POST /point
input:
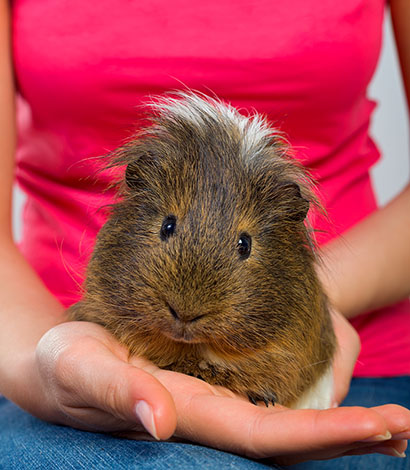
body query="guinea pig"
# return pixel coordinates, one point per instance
(206, 265)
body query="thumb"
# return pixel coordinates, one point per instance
(128, 393)
(348, 348)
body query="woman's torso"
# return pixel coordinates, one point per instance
(86, 67)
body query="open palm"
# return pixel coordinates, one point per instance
(92, 384)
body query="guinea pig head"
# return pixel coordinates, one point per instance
(208, 244)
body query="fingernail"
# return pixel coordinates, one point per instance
(378, 437)
(389, 451)
(146, 416)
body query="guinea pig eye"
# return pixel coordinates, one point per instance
(168, 227)
(244, 245)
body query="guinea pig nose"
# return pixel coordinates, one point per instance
(184, 318)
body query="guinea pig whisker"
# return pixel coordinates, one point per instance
(314, 364)
(117, 307)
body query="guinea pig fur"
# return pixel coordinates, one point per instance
(206, 264)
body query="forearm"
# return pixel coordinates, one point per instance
(7, 119)
(368, 267)
(27, 311)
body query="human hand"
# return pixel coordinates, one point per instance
(85, 380)
(348, 348)
(80, 377)
(216, 417)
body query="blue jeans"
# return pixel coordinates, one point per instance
(28, 443)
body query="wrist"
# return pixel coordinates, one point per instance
(14, 372)
(339, 278)
(21, 383)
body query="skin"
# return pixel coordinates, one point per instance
(77, 374)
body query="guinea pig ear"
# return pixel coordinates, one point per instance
(297, 206)
(131, 175)
(134, 173)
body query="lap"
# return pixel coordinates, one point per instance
(29, 443)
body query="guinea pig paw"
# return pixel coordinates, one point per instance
(255, 397)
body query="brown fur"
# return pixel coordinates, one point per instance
(259, 326)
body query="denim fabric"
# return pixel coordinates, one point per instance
(28, 443)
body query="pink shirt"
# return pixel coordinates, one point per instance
(85, 68)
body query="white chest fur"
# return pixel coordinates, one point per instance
(320, 395)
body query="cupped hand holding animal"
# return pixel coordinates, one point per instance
(347, 351)
(82, 377)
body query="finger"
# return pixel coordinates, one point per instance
(391, 448)
(239, 427)
(397, 420)
(101, 383)
(347, 351)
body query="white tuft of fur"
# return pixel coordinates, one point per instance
(197, 108)
(318, 397)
